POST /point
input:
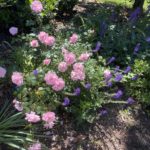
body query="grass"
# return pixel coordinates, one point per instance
(127, 3)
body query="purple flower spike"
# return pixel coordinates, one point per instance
(35, 72)
(118, 77)
(112, 59)
(128, 69)
(66, 101)
(135, 77)
(109, 84)
(137, 47)
(148, 39)
(117, 69)
(130, 101)
(134, 15)
(97, 48)
(103, 28)
(103, 112)
(77, 91)
(118, 95)
(88, 86)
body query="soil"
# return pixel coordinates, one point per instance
(120, 129)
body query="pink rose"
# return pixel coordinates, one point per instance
(49, 117)
(13, 30)
(17, 78)
(49, 125)
(59, 85)
(107, 74)
(78, 67)
(42, 36)
(62, 67)
(50, 41)
(69, 58)
(73, 39)
(36, 146)
(32, 117)
(18, 105)
(36, 6)
(2, 72)
(34, 43)
(77, 75)
(50, 78)
(84, 57)
(47, 61)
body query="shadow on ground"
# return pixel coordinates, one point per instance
(118, 130)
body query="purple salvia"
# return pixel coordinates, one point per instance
(137, 47)
(109, 84)
(117, 69)
(128, 69)
(66, 101)
(35, 72)
(77, 91)
(134, 15)
(118, 77)
(130, 101)
(112, 59)
(103, 112)
(148, 39)
(118, 95)
(135, 77)
(88, 86)
(98, 46)
(103, 28)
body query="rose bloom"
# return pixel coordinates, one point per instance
(59, 85)
(18, 105)
(46, 61)
(84, 57)
(107, 74)
(13, 30)
(34, 43)
(78, 67)
(49, 117)
(62, 67)
(2, 72)
(69, 58)
(51, 78)
(49, 41)
(77, 75)
(42, 36)
(36, 6)
(49, 125)
(73, 39)
(17, 78)
(36, 146)
(32, 117)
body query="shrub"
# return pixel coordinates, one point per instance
(74, 80)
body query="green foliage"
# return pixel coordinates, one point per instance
(10, 122)
(140, 88)
(16, 9)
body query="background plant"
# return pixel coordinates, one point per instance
(10, 122)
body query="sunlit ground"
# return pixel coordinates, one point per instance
(128, 3)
